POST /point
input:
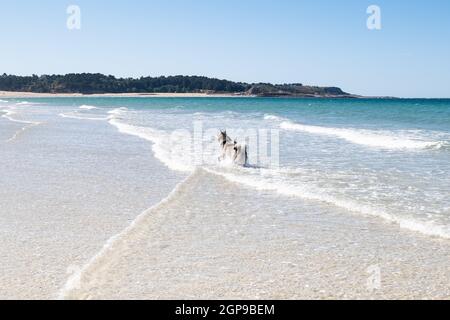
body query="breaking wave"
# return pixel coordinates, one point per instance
(166, 147)
(370, 138)
(305, 191)
(87, 107)
(171, 153)
(81, 117)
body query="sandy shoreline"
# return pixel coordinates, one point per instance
(11, 94)
(71, 196)
(184, 249)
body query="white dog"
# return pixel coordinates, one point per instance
(232, 151)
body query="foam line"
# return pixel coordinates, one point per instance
(369, 138)
(72, 116)
(76, 279)
(29, 124)
(364, 137)
(87, 107)
(304, 192)
(163, 153)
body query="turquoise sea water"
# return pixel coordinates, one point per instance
(388, 158)
(333, 187)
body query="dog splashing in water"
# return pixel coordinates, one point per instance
(231, 151)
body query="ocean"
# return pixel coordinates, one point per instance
(93, 184)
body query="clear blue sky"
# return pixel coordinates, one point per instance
(316, 42)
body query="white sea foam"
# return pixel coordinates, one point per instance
(307, 192)
(273, 117)
(10, 113)
(169, 153)
(163, 149)
(81, 117)
(382, 140)
(87, 107)
(165, 146)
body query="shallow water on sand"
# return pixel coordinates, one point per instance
(66, 189)
(360, 184)
(260, 246)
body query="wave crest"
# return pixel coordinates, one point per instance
(87, 107)
(308, 193)
(165, 147)
(366, 137)
(176, 158)
(271, 117)
(78, 117)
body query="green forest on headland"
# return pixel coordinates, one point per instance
(96, 83)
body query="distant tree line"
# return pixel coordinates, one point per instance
(92, 83)
(89, 83)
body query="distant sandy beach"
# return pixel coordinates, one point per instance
(14, 94)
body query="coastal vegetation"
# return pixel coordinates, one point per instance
(96, 83)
